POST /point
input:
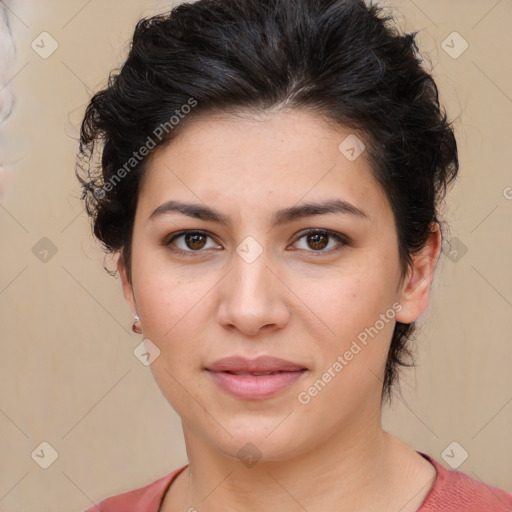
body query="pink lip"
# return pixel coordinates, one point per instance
(260, 364)
(254, 387)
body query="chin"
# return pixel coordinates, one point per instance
(262, 440)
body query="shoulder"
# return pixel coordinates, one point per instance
(454, 491)
(142, 499)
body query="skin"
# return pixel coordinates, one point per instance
(299, 301)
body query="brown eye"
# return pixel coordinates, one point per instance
(189, 242)
(195, 240)
(317, 240)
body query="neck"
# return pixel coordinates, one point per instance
(363, 463)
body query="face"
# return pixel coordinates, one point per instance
(250, 272)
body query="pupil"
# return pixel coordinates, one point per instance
(316, 244)
(316, 240)
(194, 238)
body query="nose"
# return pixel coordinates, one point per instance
(253, 298)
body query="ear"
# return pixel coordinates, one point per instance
(415, 290)
(127, 285)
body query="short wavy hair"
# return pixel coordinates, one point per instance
(342, 59)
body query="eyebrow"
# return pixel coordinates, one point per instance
(284, 216)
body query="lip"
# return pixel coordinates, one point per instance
(260, 364)
(253, 387)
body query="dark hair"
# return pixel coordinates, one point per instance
(341, 59)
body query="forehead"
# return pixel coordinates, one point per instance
(278, 158)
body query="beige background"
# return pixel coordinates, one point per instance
(68, 374)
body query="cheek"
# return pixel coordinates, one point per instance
(348, 300)
(170, 298)
(358, 309)
(174, 311)
(177, 310)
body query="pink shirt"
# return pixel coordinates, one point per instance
(452, 491)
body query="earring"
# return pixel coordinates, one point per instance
(136, 325)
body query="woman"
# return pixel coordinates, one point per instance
(271, 173)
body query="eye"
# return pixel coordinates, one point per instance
(191, 242)
(319, 239)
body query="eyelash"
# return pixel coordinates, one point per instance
(343, 241)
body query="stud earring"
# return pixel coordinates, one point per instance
(136, 325)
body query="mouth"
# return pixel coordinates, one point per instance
(261, 365)
(255, 379)
(252, 374)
